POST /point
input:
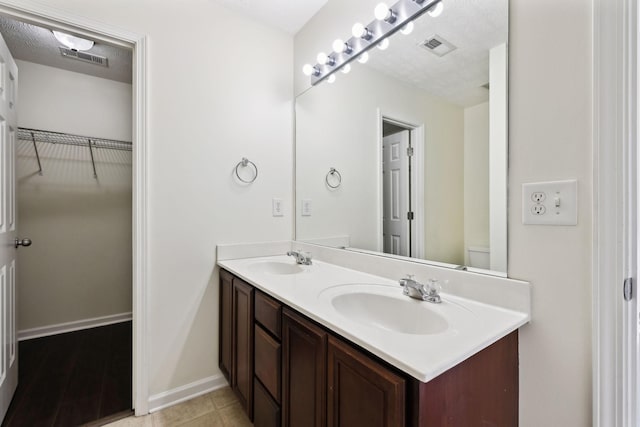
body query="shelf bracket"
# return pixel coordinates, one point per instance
(93, 163)
(35, 147)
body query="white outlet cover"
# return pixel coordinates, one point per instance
(306, 207)
(559, 205)
(276, 205)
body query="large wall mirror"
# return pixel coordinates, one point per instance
(407, 154)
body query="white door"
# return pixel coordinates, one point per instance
(395, 189)
(8, 133)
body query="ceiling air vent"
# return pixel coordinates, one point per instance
(438, 45)
(84, 57)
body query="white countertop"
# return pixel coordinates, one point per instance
(472, 325)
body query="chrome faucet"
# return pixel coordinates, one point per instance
(426, 292)
(303, 258)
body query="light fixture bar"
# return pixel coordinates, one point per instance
(405, 11)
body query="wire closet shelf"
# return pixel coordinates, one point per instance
(36, 135)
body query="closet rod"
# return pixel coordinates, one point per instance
(37, 135)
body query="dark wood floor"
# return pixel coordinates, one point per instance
(74, 378)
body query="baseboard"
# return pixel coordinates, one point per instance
(77, 325)
(186, 392)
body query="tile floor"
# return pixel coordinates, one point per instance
(219, 408)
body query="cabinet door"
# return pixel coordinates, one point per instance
(242, 354)
(362, 392)
(226, 325)
(304, 367)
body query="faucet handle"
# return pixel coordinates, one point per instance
(433, 286)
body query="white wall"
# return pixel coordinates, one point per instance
(549, 138)
(79, 266)
(550, 104)
(337, 125)
(224, 94)
(476, 177)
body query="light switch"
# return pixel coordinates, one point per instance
(550, 203)
(306, 207)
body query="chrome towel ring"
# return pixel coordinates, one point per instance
(245, 163)
(337, 181)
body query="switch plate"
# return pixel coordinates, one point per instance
(306, 207)
(550, 203)
(276, 205)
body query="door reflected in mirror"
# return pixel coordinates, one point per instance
(419, 135)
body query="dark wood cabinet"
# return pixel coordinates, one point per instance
(361, 391)
(242, 373)
(289, 371)
(226, 325)
(304, 372)
(236, 337)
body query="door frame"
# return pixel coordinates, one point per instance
(417, 179)
(615, 213)
(39, 14)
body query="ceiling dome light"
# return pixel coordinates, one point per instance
(363, 58)
(331, 78)
(309, 70)
(73, 42)
(383, 44)
(346, 68)
(407, 29)
(436, 10)
(383, 13)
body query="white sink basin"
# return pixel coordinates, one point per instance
(406, 316)
(276, 267)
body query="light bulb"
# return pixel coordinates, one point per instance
(363, 58)
(308, 69)
(383, 44)
(361, 32)
(346, 68)
(436, 10)
(382, 12)
(339, 46)
(407, 29)
(331, 78)
(322, 58)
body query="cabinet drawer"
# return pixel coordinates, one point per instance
(266, 412)
(267, 361)
(268, 313)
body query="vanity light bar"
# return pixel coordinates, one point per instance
(402, 13)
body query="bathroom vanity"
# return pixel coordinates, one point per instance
(326, 345)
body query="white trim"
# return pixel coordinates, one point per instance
(614, 221)
(38, 13)
(76, 325)
(186, 392)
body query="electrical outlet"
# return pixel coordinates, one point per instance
(306, 207)
(550, 203)
(538, 209)
(276, 207)
(538, 196)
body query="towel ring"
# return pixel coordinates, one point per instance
(244, 163)
(333, 172)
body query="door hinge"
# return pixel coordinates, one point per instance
(410, 216)
(409, 151)
(628, 289)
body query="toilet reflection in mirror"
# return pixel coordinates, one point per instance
(419, 134)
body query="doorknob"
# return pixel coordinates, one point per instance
(22, 242)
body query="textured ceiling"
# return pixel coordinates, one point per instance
(288, 15)
(36, 44)
(473, 26)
